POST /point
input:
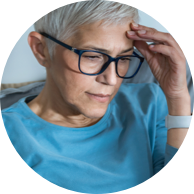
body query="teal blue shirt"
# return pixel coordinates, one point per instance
(125, 148)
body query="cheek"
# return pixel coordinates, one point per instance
(74, 85)
(84, 84)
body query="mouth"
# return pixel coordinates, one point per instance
(99, 97)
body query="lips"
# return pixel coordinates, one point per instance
(100, 95)
(96, 97)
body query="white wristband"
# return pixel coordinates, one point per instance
(177, 121)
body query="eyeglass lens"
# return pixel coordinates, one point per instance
(92, 63)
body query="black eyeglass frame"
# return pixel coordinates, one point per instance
(110, 59)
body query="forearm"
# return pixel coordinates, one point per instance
(179, 107)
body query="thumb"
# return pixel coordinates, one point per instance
(143, 48)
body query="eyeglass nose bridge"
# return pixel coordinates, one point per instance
(110, 60)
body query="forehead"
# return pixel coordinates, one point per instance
(107, 37)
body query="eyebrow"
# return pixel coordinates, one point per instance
(107, 51)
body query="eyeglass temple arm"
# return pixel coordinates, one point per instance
(57, 41)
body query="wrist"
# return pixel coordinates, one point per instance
(179, 106)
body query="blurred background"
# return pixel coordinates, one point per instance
(22, 66)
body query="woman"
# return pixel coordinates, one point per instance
(86, 131)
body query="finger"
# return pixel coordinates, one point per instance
(154, 31)
(164, 39)
(155, 36)
(134, 36)
(149, 51)
(141, 27)
(167, 51)
(136, 27)
(159, 38)
(143, 48)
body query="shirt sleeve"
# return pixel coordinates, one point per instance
(163, 152)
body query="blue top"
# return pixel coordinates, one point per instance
(125, 148)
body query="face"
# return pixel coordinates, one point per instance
(84, 94)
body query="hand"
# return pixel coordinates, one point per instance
(166, 59)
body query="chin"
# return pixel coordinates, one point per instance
(95, 113)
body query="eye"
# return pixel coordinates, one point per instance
(125, 59)
(92, 56)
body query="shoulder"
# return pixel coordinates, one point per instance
(13, 114)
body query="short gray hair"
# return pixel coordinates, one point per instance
(63, 22)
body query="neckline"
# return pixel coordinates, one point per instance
(41, 121)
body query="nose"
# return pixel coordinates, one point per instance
(109, 76)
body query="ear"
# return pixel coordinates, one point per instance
(38, 46)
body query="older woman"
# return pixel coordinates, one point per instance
(86, 131)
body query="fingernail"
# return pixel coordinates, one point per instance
(142, 31)
(131, 32)
(135, 25)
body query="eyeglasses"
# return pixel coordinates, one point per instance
(93, 63)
